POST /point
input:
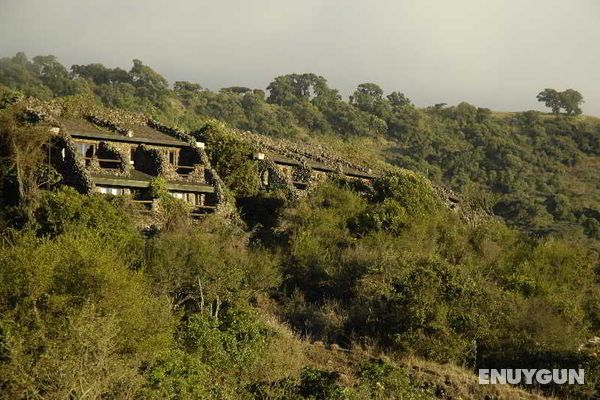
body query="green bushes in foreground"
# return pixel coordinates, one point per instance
(377, 270)
(90, 306)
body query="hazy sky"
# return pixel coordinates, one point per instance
(492, 53)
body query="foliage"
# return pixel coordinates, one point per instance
(320, 385)
(64, 210)
(380, 380)
(431, 285)
(23, 168)
(209, 267)
(232, 159)
(158, 188)
(75, 318)
(521, 159)
(569, 99)
(89, 306)
(411, 190)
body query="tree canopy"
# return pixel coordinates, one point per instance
(569, 100)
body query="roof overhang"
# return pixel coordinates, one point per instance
(321, 167)
(125, 139)
(134, 183)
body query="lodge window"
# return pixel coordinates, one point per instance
(87, 150)
(172, 157)
(112, 190)
(178, 195)
(193, 198)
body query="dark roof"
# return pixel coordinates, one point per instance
(83, 128)
(317, 166)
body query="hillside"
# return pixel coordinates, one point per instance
(336, 289)
(534, 170)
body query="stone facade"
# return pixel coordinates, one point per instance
(91, 160)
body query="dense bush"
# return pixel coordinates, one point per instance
(231, 158)
(75, 318)
(432, 285)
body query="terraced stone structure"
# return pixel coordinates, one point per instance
(296, 166)
(97, 155)
(121, 153)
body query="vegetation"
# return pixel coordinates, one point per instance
(532, 170)
(341, 293)
(570, 100)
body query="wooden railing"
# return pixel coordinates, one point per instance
(184, 169)
(143, 201)
(104, 160)
(147, 204)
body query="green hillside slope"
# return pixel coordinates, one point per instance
(343, 291)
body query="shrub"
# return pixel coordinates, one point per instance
(411, 190)
(320, 385)
(232, 159)
(381, 381)
(177, 374)
(65, 209)
(209, 266)
(75, 318)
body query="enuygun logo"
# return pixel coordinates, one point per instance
(531, 376)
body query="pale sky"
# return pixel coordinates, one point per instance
(491, 53)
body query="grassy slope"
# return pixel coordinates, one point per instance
(447, 381)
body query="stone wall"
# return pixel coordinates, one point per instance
(112, 151)
(70, 164)
(222, 200)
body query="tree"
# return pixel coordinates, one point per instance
(186, 91)
(54, 75)
(101, 75)
(22, 155)
(19, 73)
(551, 99)
(570, 101)
(399, 100)
(149, 83)
(236, 89)
(367, 97)
(289, 89)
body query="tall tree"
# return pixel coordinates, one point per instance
(54, 75)
(551, 99)
(399, 100)
(570, 101)
(101, 75)
(289, 89)
(186, 91)
(19, 73)
(22, 155)
(149, 83)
